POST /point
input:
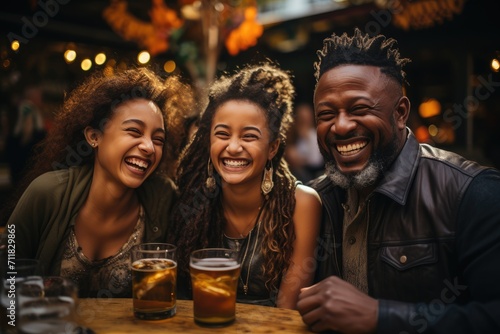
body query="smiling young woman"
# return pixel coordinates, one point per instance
(237, 190)
(97, 187)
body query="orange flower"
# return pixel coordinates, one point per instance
(152, 36)
(246, 34)
(163, 17)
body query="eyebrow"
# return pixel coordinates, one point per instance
(248, 127)
(141, 123)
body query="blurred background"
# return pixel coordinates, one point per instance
(47, 47)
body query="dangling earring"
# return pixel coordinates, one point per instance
(210, 182)
(267, 181)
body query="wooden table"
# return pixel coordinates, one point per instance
(113, 316)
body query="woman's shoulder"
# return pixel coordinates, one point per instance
(307, 194)
(307, 211)
(59, 178)
(49, 181)
(48, 190)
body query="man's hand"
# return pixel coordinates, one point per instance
(334, 304)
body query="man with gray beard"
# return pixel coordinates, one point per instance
(410, 237)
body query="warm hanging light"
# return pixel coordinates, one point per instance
(169, 66)
(495, 65)
(69, 55)
(143, 57)
(100, 58)
(15, 45)
(433, 130)
(419, 14)
(429, 108)
(86, 64)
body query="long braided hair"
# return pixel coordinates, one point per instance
(199, 216)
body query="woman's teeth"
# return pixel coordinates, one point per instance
(235, 163)
(137, 163)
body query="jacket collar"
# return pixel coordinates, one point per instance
(397, 180)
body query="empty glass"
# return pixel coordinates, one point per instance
(47, 305)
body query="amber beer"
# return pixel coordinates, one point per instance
(154, 284)
(214, 282)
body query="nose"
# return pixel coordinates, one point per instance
(146, 145)
(344, 124)
(234, 146)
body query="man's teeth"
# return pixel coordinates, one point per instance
(141, 164)
(235, 163)
(351, 148)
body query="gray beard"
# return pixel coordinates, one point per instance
(363, 179)
(377, 165)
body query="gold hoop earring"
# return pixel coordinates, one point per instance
(267, 181)
(210, 182)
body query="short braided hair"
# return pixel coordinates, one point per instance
(361, 49)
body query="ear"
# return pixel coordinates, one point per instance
(273, 149)
(92, 136)
(402, 112)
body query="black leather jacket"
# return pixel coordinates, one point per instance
(433, 242)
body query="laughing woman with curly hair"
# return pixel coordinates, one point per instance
(99, 185)
(237, 191)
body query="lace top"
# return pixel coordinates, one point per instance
(109, 277)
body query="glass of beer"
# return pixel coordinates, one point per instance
(154, 280)
(214, 277)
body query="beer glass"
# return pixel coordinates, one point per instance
(154, 280)
(214, 277)
(47, 305)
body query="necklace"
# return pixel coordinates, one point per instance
(258, 222)
(245, 284)
(237, 241)
(253, 220)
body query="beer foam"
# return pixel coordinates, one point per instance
(215, 264)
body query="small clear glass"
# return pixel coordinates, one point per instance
(47, 305)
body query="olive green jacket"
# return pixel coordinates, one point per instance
(48, 208)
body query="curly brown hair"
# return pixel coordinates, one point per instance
(92, 104)
(198, 217)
